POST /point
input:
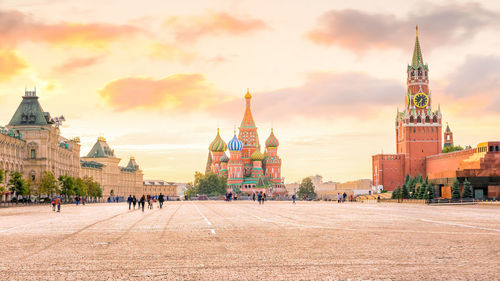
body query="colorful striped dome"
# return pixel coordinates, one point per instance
(257, 155)
(218, 145)
(235, 144)
(272, 141)
(224, 158)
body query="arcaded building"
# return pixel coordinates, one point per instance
(419, 145)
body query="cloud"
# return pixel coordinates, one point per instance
(324, 95)
(441, 25)
(74, 64)
(478, 77)
(178, 92)
(17, 27)
(170, 53)
(189, 29)
(10, 64)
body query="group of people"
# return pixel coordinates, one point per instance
(230, 196)
(342, 197)
(132, 201)
(261, 197)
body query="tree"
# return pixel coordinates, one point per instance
(190, 190)
(455, 190)
(405, 193)
(448, 149)
(2, 177)
(17, 184)
(210, 184)
(48, 184)
(306, 189)
(93, 188)
(422, 191)
(396, 192)
(67, 184)
(467, 190)
(430, 192)
(80, 187)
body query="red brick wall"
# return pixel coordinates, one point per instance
(446, 165)
(388, 170)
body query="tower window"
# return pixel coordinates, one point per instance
(33, 154)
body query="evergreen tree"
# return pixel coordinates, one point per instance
(455, 190)
(395, 193)
(405, 193)
(306, 189)
(467, 190)
(422, 191)
(430, 192)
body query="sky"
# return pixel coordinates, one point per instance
(157, 78)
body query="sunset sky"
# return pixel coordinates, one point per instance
(156, 78)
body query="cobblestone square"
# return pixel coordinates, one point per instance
(206, 240)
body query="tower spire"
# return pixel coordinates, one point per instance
(417, 59)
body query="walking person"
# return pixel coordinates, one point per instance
(338, 197)
(151, 202)
(142, 202)
(129, 200)
(253, 197)
(264, 197)
(134, 201)
(259, 197)
(58, 203)
(293, 198)
(161, 199)
(344, 197)
(54, 205)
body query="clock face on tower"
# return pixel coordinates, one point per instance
(421, 100)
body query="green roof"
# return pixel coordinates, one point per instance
(101, 150)
(132, 165)
(417, 59)
(30, 112)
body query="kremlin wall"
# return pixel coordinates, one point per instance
(419, 145)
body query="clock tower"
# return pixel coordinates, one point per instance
(418, 126)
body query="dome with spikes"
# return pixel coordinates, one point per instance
(224, 158)
(235, 144)
(272, 141)
(257, 155)
(218, 145)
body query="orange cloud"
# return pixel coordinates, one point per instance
(75, 64)
(192, 28)
(179, 91)
(16, 27)
(169, 52)
(10, 64)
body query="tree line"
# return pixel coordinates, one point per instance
(414, 188)
(49, 186)
(208, 184)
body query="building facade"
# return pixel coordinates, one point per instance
(155, 187)
(247, 169)
(419, 144)
(31, 144)
(103, 166)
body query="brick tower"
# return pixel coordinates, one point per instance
(418, 127)
(248, 136)
(448, 136)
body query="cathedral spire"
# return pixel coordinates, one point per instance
(417, 59)
(248, 118)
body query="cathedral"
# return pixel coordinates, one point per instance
(247, 169)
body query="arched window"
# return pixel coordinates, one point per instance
(419, 119)
(412, 120)
(427, 119)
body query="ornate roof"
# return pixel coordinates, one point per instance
(218, 144)
(448, 128)
(30, 112)
(272, 141)
(257, 155)
(91, 164)
(132, 165)
(417, 59)
(248, 118)
(101, 149)
(224, 158)
(235, 144)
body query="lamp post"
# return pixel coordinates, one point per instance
(428, 199)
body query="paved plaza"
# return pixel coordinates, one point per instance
(244, 241)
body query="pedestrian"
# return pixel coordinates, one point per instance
(264, 197)
(344, 197)
(151, 202)
(161, 199)
(230, 196)
(253, 197)
(117, 199)
(84, 200)
(351, 197)
(53, 204)
(259, 197)
(58, 203)
(109, 199)
(293, 198)
(129, 200)
(142, 202)
(338, 197)
(134, 201)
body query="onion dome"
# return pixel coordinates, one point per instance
(272, 141)
(235, 144)
(248, 95)
(224, 158)
(257, 155)
(218, 145)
